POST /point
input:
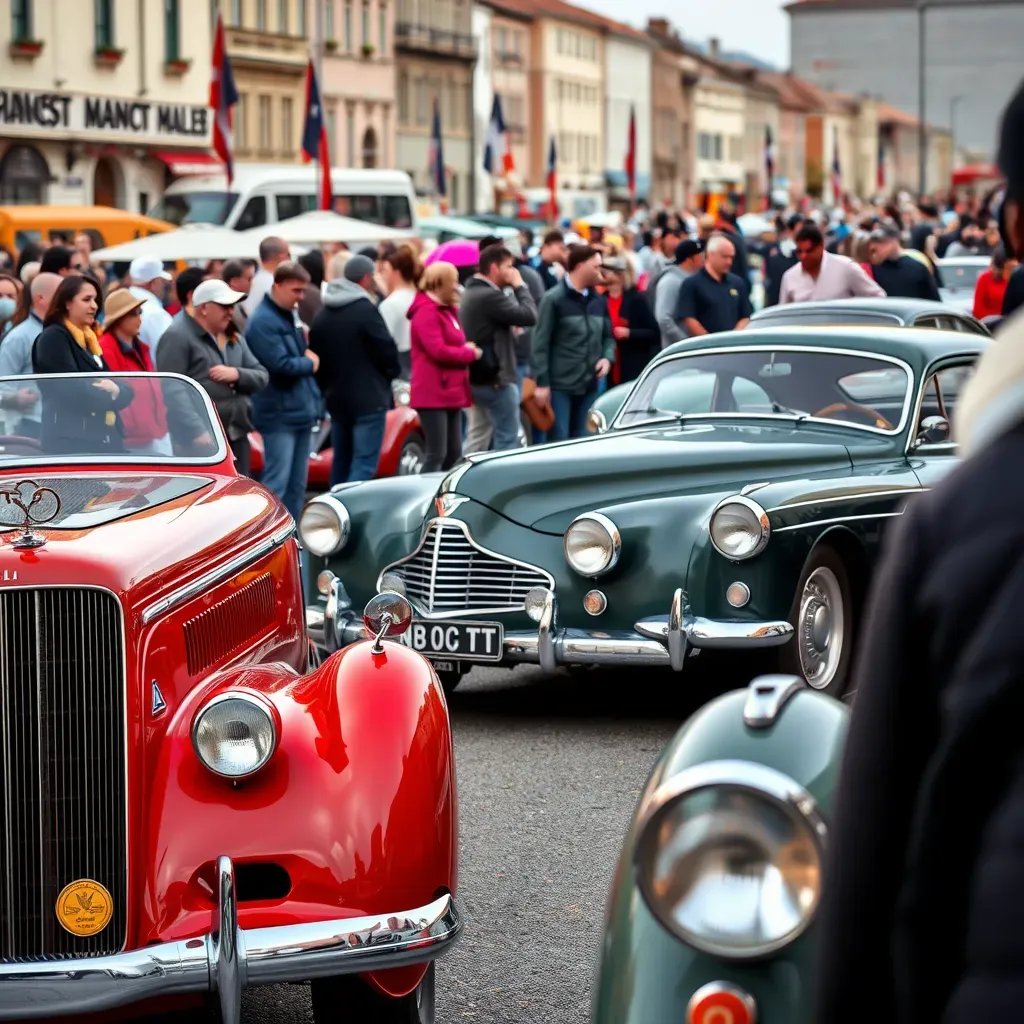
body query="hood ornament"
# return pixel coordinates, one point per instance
(447, 503)
(36, 505)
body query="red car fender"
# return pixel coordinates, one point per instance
(357, 804)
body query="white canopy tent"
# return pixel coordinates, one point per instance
(199, 242)
(320, 226)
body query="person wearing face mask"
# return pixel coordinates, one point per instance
(77, 419)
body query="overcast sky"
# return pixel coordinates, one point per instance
(760, 27)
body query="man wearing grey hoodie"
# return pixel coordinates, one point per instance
(358, 362)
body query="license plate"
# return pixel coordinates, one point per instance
(456, 641)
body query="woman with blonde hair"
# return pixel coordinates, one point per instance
(400, 273)
(440, 357)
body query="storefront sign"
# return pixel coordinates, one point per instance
(102, 118)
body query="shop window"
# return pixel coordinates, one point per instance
(104, 13)
(24, 176)
(254, 215)
(172, 30)
(21, 19)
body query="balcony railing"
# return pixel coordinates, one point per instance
(509, 57)
(426, 39)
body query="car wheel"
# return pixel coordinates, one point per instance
(349, 998)
(822, 617)
(410, 462)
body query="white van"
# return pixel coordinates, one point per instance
(266, 193)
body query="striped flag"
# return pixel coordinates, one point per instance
(436, 158)
(223, 96)
(881, 165)
(314, 139)
(837, 175)
(497, 148)
(631, 156)
(769, 166)
(553, 179)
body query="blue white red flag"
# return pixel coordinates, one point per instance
(631, 156)
(497, 147)
(437, 175)
(223, 96)
(553, 179)
(837, 174)
(314, 139)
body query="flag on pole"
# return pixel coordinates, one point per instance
(837, 174)
(881, 164)
(631, 156)
(223, 96)
(553, 179)
(437, 175)
(769, 166)
(314, 139)
(497, 148)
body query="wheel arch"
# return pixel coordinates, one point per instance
(848, 546)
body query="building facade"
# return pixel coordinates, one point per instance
(628, 69)
(761, 117)
(101, 102)
(900, 160)
(359, 80)
(269, 47)
(434, 56)
(511, 46)
(972, 50)
(719, 118)
(791, 140)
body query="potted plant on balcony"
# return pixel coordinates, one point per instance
(177, 65)
(108, 56)
(331, 45)
(25, 48)
(368, 49)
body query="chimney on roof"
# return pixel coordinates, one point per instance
(658, 26)
(714, 48)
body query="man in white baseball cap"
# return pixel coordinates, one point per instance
(149, 284)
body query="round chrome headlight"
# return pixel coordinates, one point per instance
(234, 735)
(401, 391)
(324, 526)
(730, 858)
(739, 528)
(592, 544)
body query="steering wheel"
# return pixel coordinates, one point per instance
(872, 414)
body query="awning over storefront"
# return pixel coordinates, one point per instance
(185, 162)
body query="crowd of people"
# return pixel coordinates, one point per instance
(522, 340)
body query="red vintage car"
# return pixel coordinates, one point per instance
(191, 804)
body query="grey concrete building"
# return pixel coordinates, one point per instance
(972, 50)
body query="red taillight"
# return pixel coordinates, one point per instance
(721, 1003)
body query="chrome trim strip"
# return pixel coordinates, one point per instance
(767, 696)
(859, 496)
(839, 519)
(445, 523)
(218, 575)
(767, 783)
(819, 349)
(228, 959)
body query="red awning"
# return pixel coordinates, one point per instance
(186, 162)
(976, 172)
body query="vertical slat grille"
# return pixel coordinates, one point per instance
(62, 766)
(230, 624)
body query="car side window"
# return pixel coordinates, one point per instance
(939, 400)
(750, 397)
(254, 215)
(292, 206)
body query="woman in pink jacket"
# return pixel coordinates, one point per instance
(439, 389)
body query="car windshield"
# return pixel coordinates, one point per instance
(790, 383)
(195, 207)
(960, 277)
(107, 418)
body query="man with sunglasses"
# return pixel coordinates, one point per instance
(823, 275)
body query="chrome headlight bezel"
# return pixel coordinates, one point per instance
(760, 527)
(612, 542)
(253, 702)
(332, 516)
(777, 791)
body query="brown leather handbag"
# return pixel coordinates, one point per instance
(540, 414)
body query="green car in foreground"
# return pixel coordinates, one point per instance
(711, 914)
(737, 500)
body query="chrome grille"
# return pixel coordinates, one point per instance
(451, 574)
(62, 766)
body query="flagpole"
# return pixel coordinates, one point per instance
(319, 45)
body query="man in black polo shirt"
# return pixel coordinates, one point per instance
(900, 276)
(714, 299)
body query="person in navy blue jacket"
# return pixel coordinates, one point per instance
(286, 411)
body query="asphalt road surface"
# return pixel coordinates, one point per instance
(549, 770)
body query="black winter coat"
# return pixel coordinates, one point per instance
(644, 341)
(922, 921)
(74, 417)
(358, 356)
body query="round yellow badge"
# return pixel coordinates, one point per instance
(84, 907)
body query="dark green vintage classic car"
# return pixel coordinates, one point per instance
(712, 908)
(737, 500)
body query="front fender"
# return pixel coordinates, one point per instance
(647, 975)
(358, 803)
(400, 423)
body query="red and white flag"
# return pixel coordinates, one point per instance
(223, 96)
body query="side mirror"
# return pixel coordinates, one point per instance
(387, 614)
(596, 421)
(934, 430)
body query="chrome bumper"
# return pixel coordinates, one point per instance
(228, 960)
(666, 640)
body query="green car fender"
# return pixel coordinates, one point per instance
(649, 975)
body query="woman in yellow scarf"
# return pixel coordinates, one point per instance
(78, 418)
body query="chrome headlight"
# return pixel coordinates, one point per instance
(234, 735)
(324, 526)
(401, 391)
(739, 528)
(730, 858)
(592, 544)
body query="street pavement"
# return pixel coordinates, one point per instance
(549, 770)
